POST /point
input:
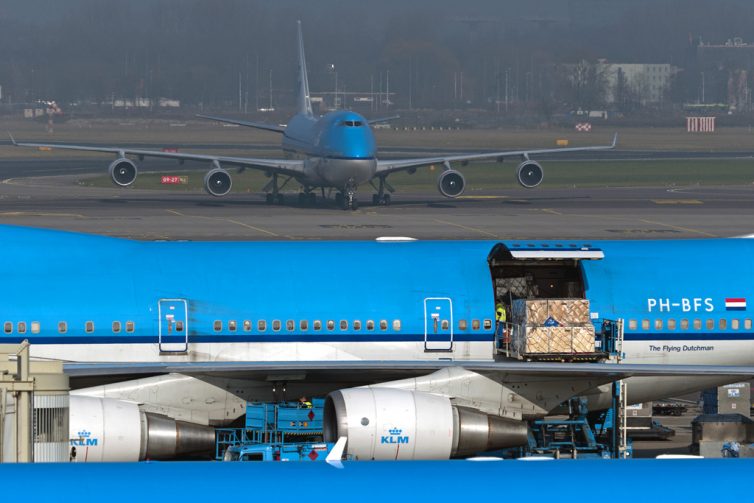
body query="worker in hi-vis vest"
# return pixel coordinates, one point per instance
(500, 318)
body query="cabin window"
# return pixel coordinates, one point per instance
(747, 324)
(179, 326)
(275, 325)
(232, 325)
(397, 325)
(697, 324)
(735, 324)
(658, 324)
(487, 324)
(35, 327)
(218, 325)
(357, 324)
(261, 325)
(8, 327)
(684, 324)
(290, 325)
(89, 327)
(475, 324)
(62, 327)
(303, 325)
(671, 324)
(444, 325)
(21, 327)
(645, 324)
(317, 325)
(632, 324)
(130, 326)
(370, 324)
(116, 327)
(383, 324)
(461, 324)
(247, 325)
(723, 324)
(710, 324)
(330, 325)
(343, 325)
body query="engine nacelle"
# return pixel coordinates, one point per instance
(217, 182)
(123, 171)
(388, 424)
(451, 183)
(106, 429)
(529, 174)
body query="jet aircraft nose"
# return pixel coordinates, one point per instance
(350, 137)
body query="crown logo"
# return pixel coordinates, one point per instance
(395, 431)
(84, 434)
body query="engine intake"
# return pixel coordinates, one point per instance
(217, 182)
(530, 174)
(388, 424)
(451, 183)
(123, 171)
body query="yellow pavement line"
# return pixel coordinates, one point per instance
(679, 228)
(473, 229)
(38, 214)
(242, 224)
(677, 201)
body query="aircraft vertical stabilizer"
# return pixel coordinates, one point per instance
(304, 100)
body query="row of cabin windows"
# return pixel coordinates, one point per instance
(685, 324)
(34, 327)
(290, 325)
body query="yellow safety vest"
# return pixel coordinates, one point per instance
(500, 313)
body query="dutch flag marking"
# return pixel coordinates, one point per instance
(735, 304)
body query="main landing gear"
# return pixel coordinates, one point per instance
(274, 195)
(381, 198)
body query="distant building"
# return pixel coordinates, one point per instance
(646, 83)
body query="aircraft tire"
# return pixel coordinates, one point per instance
(386, 200)
(269, 198)
(280, 199)
(375, 199)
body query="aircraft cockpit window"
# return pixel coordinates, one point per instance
(8, 327)
(343, 325)
(290, 325)
(671, 324)
(116, 327)
(397, 325)
(218, 326)
(62, 327)
(261, 325)
(684, 324)
(723, 324)
(35, 327)
(303, 325)
(357, 324)
(330, 325)
(697, 324)
(89, 327)
(462, 325)
(747, 324)
(370, 324)
(383, 324)
(130, 327)
(735, 324)
(317, 325)
(21, 327)
(232, 325)
(247, 325)
(275, 325)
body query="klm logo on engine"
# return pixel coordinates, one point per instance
(84, 439)
(394, 437)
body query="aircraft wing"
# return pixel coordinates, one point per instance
(237, 122)
(283, 166)
(392, 165)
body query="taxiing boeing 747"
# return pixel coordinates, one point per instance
(336, 150)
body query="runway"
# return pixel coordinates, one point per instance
(560, 213)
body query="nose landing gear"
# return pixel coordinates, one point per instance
(347, 198)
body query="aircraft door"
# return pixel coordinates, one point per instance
(438, 324)
(173, 325)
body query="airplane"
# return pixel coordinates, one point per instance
(336, 150)
(179, 335)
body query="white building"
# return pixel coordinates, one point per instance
(648, 83)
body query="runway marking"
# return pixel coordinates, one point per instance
(678, 227)
(39, 214)
(465, 227)
(550, 211)
(677, 201)
(242, 224)
(482, 197)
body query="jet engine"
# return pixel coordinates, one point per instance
(106, 429)
(529, 174)
(451, 183)
(217, 182)
(389, 423)
(123, 171)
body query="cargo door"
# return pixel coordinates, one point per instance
(173, 325)
(438, 324)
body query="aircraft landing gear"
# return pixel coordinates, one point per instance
(307, 198)
(348, 200)
(381, 198)
(274, 195)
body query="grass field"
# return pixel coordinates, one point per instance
(501, 176)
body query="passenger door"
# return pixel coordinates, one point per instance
(438, 324)
(173, 325)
